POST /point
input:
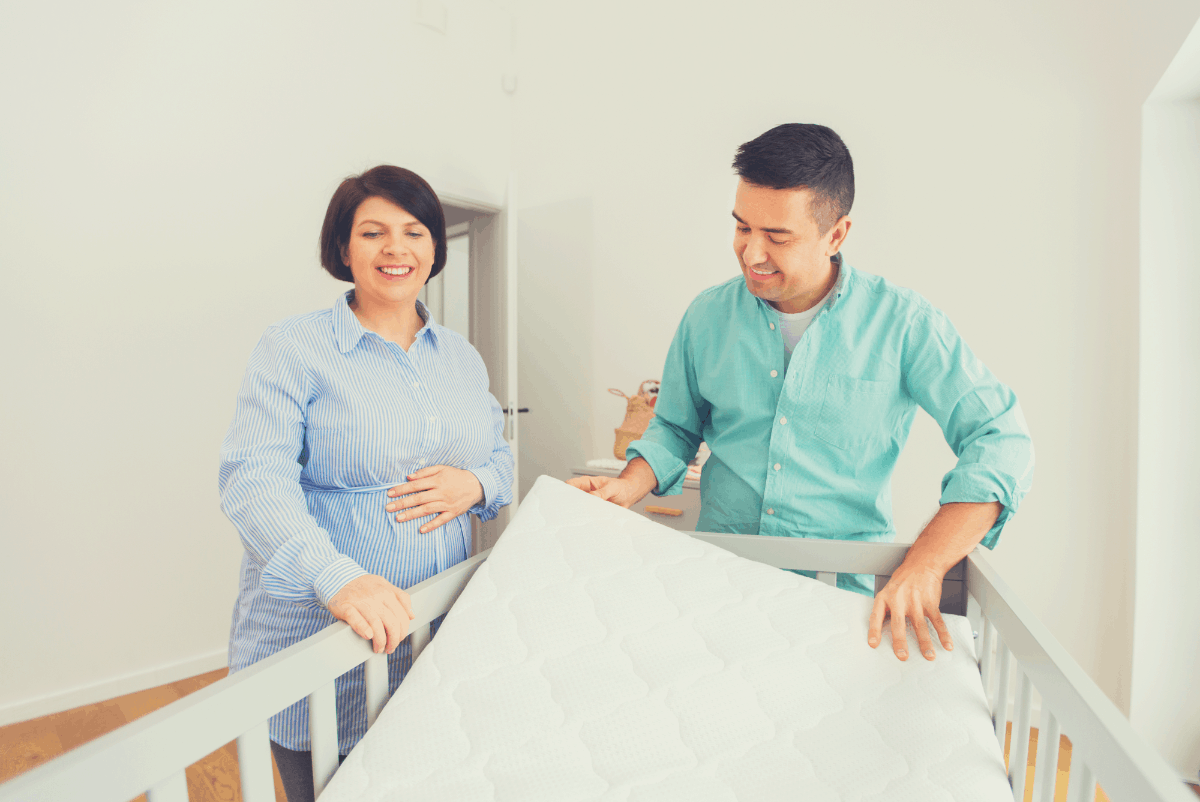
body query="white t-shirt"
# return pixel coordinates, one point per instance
(792, 326)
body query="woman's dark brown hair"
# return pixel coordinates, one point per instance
(402, 187)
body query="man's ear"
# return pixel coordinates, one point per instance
(837, 235)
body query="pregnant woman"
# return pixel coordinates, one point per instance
(363, 437)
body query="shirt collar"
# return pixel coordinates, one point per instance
(347, 330)
(843, 280)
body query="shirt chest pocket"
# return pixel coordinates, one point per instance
(854, 411)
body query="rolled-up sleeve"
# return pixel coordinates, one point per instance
(259, 480)
(978, 414)
(676, 430)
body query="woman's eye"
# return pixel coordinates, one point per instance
(415, 234)
(371, 234)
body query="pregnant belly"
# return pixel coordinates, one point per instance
(361, 528)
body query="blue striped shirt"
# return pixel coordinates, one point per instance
(329, 416)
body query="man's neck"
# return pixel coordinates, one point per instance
(806, 301)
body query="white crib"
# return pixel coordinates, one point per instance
(150, 754)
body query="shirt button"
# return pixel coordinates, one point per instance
(416, 384)
(783, 421)
(772, 327)
(770, 511)
(777, 466)
(774, 373)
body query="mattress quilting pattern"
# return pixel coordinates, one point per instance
(597, 655)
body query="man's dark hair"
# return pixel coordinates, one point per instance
(802, 155)
(402, 187)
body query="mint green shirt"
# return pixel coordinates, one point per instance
(806, 447)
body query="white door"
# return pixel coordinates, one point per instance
(492, 298)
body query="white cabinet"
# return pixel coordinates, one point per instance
(687, 503)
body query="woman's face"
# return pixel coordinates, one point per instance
(390, 253)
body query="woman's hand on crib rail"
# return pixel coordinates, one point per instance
(375, 609)
(439, 489)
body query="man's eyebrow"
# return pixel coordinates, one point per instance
(768, 230)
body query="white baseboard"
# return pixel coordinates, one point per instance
(107, 689)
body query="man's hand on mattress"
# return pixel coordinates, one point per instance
(619, 491)
(915, 589)
(439, 489)
(914, 592)
(625, 490)
(375, 609)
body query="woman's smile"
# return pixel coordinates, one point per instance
(395, 272)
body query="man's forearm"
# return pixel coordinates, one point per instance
(641, 476)
(952, 534)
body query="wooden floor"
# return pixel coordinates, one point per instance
(215, 778)
(31, 743)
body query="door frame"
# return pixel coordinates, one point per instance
(493, 324)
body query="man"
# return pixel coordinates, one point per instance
(803, 375)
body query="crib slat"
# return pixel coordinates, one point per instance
(172, 789)
(1018, 753)
(828, 577)
(985, 658)
(376, 679)
(1000, 711)
(1046, 775)
(322, 730)
(254, 765)
(1081, 782)
(418, 639)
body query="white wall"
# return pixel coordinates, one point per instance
(996, 147)
(165, 170)
(1165, 704)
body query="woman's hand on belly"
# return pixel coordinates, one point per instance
(438, 489)
(375, 609)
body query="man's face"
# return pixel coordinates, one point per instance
(784, 259)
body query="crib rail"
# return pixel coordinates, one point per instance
(831, 557)
(1104, 746)
(149, 755)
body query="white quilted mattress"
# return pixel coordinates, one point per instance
(597, 655)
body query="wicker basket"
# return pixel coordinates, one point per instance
(639, 409)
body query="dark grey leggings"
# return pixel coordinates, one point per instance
(295, 769)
